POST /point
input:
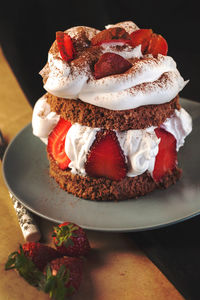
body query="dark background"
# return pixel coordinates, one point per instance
(27, 30)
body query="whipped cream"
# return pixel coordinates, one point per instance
(180, 125)
(150, 80)
(77, 144)
(43, 119)
(140, 147)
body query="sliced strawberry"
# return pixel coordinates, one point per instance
(106, 158)
(141, 36)
(157, 44)
(152, 43)
(65, 46)
(166, 158)
(110, 64)
(115, 34)
(56, 143)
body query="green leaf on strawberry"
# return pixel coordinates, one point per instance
(55, 285)
(70, 239)
(25, 267)
(63, 277)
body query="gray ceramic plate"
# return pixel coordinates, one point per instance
(25, 169)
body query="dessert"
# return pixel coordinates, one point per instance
(111, 117)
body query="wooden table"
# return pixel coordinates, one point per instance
(115, 269)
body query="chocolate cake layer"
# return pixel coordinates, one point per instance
(103, 189)
(94, 116)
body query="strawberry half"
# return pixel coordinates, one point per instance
(115, 34)
(110, 64)
(166, 158)
(141, 36)
(106, 158)
(63, 277)
(65, 45)
(152, 43)
(56, 143)
(157, 44)
(70, 239)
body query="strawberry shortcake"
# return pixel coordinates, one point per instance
(111, 116)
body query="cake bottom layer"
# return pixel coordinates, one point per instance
(103, 189)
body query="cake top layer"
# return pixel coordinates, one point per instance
(119, 68)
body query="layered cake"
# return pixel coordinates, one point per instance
(111, 116)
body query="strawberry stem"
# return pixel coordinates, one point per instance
(63, 234)
(26, 268)
(55, 285)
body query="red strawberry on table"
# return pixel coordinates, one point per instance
(106, 158)
(63, 277)
(110, 64)
(56, 143)
(44, 268)
(65, 45)
(166, 158)
(39, 253)
(30, 261)
(115, 34)
(152, 43)
(70, 239)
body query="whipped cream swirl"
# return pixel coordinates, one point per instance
(43, 119)
(150, 80)
(77, 145)
(140, 147)
(180, 125)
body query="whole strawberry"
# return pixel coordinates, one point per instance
(40, 254)
(70, 239)
(63, 277)
(30, 261)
